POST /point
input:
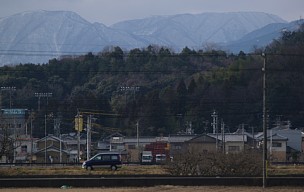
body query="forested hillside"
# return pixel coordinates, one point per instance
(162, 90)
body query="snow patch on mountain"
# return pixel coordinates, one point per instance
(38, 36)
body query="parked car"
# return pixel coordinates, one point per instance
(111, 160)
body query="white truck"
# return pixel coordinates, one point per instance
(146, 157)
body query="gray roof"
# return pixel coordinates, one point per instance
(170, 139)
(277, 137)
(180, 138)
(231, 137)
(141, 139)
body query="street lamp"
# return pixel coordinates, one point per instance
(10, 89)
(39, 95)
(129, 89)
(47, 95)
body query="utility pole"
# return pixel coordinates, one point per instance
(253, 139)
(89, 124)
(57, 126)
(137, 134)
(264, 122)
(32, 144)
(243, 135)
(215, 129)
(137, 144)
(45, 140)
(57, 133)
(78, 128)
(223, 136)
(214, 121)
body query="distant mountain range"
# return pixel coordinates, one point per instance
(38, 36)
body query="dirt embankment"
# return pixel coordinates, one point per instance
(160, 188)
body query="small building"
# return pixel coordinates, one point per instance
(25, 148)
(51, 149)
(294, 136)
(176, 142)
(71, 145)
(14, 120)
(291, 138)
(234, 143)
(276, 147)
(200, 144)
(111, 142)
(230, 143)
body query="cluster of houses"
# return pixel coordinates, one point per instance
(284, 144)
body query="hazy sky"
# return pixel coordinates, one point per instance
(111, 11)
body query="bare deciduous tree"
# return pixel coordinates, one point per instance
(6, 143)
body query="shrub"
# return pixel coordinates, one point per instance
(216, 164)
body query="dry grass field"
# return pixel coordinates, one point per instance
(162, 188)
(125, 170)
(77, 170)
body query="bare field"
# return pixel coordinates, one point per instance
(161, 188)
(125, 170)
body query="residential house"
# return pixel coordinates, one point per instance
(277, 147)
(25, 148)
(234, 143)
(72, 142)
(200, 144)
(230, 143)
(51, 149)
(113, 142)
(294, 142)
(293, 139)
(176, 142)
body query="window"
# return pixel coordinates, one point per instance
(97, 158)
(131, 147)
(106, 157)
(114, 157)
(276, 144)
(23, 149)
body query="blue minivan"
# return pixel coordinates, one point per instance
(111, 160)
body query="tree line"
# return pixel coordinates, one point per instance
(163, 91)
